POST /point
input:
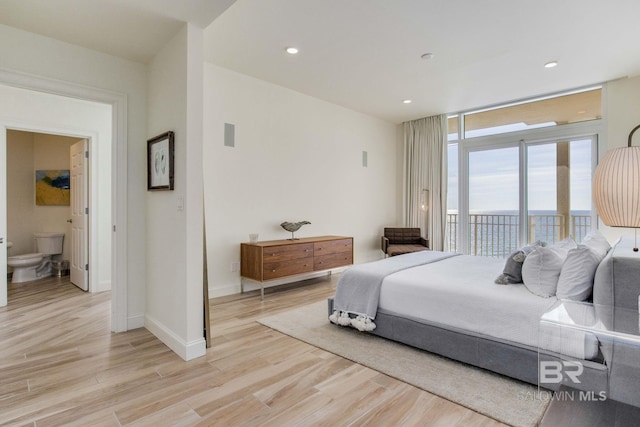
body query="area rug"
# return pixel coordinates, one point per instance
(506, 400)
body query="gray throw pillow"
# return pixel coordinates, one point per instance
(512, 272)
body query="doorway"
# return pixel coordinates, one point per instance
(43, 108)
(57, 201)
(44, 208)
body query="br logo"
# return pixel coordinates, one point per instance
(552, 372)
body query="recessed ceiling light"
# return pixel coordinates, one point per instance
(427, 55)
(406, 101)
(551, 64)
(292, 50)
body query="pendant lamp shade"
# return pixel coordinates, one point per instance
(616, 188)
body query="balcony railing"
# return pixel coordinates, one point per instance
(496, 235)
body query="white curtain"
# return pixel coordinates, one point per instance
(425, 186)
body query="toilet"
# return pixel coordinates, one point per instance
(37, 265)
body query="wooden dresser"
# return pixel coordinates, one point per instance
(276, 259)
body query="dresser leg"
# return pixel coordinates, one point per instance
(261, 291)
(241, 285)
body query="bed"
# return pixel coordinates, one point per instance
(450, 305)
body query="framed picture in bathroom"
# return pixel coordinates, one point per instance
(52, 187)
(160, 162)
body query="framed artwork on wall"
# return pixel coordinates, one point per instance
(160, 162)
(52, 188)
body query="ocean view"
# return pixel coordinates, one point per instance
(496, 233)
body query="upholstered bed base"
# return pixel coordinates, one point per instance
(616, 286)
(510, 359)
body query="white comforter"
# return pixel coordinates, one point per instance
(460, 292)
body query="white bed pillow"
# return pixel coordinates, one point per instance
(596, 241)
(576, 278)
(565, 245)
(541, 268)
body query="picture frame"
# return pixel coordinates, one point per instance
(53, 187)
(160, 151)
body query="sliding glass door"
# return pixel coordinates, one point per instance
(559, 189)
(517, 192)
(494, 202)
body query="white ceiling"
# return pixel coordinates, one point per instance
(131, 29)
(365, 54)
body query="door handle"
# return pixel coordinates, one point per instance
(69, 221)
(1, 239)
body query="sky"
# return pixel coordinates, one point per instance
(493, 178)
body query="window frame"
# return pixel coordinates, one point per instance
(582, 130)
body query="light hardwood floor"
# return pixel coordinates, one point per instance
(60, 365)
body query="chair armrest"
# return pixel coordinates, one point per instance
(424, 242)
(384, 244)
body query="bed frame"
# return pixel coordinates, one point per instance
(615, 283)
(506, 358)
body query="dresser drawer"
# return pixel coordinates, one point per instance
(273, 270)
(278, 259)
(287, 252)
(332, 246)
(326, 262)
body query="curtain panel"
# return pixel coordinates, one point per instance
(425, 182)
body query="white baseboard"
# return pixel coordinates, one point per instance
(103, 286)
(136, 321)
(186, 351)
(224, 291)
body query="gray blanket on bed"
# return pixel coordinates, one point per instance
(358, 289)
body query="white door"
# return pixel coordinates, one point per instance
(3, 216)
(79, 268)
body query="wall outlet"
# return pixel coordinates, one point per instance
(235, 267)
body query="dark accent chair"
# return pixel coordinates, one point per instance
(398, 241)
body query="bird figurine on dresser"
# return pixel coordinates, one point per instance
(292, 227)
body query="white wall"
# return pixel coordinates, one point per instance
(174, 235)
(622, 105)
(40, 56)
(26, 153)
(295, 158)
